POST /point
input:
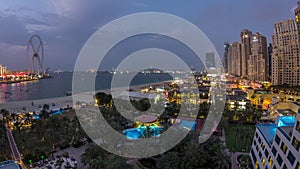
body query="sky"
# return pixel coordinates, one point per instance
(65, 25)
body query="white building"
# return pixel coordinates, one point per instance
(276, 146)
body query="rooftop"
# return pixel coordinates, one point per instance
(285, 123)
(268, 131)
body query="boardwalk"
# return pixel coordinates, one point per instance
(12, 144)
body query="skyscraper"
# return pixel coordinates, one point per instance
(246, 50)
(297, 19)
(210, 60)
(235, 59)
(257, 61)
(270, 51)
(225, 59)
(3, 70)
(248, 58)
(285, 56)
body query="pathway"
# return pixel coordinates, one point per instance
(12, 144)
(234, 156)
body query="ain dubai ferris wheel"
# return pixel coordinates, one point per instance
(35, 56)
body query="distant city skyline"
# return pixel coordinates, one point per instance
(66, 25)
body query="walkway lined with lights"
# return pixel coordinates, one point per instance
(12, 144)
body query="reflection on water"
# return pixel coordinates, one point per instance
(61, 83)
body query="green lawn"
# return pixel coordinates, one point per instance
(239, 137)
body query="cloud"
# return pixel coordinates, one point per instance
(13, 52)
(32, 28)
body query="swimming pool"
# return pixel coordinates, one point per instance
(143, 132)
(188, 124)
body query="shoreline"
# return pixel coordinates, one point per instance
(64, 101)
(18, 81)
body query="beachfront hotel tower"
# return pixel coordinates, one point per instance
(285, 56)
(257, 60)
(277, 145)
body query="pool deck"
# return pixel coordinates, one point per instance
(9, 165)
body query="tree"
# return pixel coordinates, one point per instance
(5, 115)
(221, 158)
(170, 160)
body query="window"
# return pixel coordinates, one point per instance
(274, 167)
(283, 147)
(277, 139)
(259, 154)
(263, 146)
(266, 153)
(263, 161)
(259, 140)
(291, 158)
(253, 155)
(298, 166)
(279, 160)
(270, 161)
(296, 144)
(298, 127)
(274, 151)
(285, 167)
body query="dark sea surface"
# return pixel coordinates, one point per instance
(62, 82)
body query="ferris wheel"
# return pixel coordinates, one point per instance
(35, 52)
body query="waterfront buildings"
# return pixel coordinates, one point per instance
(277, 145)
(270, 51)
(3, 70)
(246, 37)
(225, 59)
(210, 60)
(235, 59)
(257, 61)
(285, 56)
(248, 58)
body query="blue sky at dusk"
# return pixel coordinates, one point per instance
(65, 25)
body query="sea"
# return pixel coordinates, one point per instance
(61, 83)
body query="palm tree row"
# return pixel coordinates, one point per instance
(189, 155)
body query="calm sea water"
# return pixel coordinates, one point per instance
(61, 83)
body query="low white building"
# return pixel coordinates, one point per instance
(276, 146)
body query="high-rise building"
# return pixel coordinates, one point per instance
(225, 59)
(285, 56)
(235, 59)
(249, 57)
(297, 19)
(270, 51)
(3, 70)
(277, 145)
(257, 60)
(246, 37)
(210, 60)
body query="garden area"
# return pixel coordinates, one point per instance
(47, 135)
(4, 145)
(239, 137)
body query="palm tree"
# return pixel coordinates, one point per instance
(221, 158)
(171, 160)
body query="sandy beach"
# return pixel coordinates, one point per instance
(63, 102)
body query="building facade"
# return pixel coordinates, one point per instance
(3, 70)
(246, 37)
(285, 56)
(225, 58)
(235, 59)
(277, 145)
(270, 51)
(257, 61)
(210, 60)
(249, 58)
